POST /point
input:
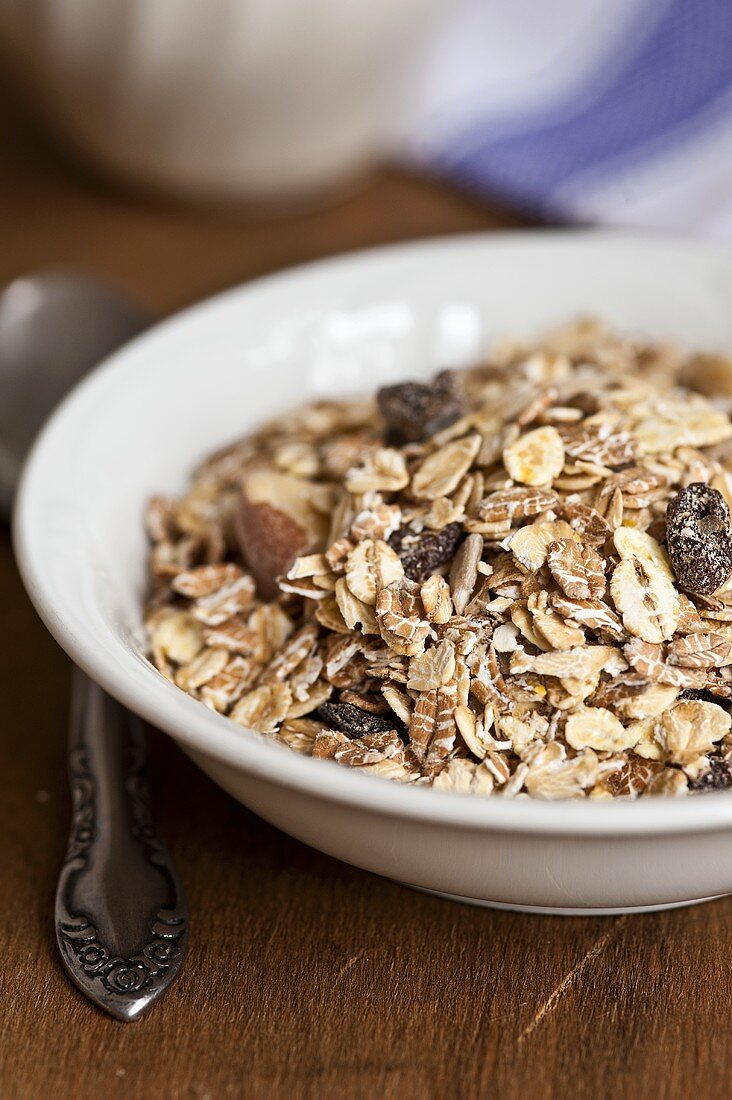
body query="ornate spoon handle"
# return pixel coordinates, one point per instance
(121, 916)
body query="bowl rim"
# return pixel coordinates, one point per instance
(202, 731)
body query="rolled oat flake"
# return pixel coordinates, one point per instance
(698, 538)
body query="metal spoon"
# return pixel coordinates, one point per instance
(121, 917)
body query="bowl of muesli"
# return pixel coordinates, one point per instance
(452, 605)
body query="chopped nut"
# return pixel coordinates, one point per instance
(275, 521)
(464, 572)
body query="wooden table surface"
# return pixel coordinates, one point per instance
(305, 977)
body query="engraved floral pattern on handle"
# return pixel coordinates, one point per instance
(123, 985)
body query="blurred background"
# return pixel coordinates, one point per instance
(575, 110)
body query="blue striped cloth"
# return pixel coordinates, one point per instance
(614, 111)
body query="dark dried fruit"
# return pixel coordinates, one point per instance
(718, 778)
(354, 721)
(698, 538)
(422, 554)
(705, 696)
(414, 411)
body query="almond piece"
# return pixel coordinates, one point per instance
(275, 524)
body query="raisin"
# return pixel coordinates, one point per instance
(422, 554)
(704, 695)
(353, 721)
(698, 538)
(718, 778)
(414, 411)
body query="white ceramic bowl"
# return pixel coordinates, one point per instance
(143, 418)
(261, 100)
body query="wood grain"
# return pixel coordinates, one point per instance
(306, 978)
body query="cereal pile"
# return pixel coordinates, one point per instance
(514, 580)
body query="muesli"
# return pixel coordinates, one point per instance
(513, 580)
